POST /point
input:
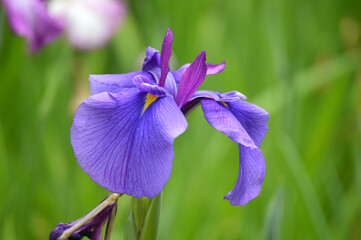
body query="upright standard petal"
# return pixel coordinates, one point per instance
(165, 56)
(30, 19)
(152, 63)
(211, 70)
(89, 24)
(234, 119)
(124, 147)
(115, 82)
(191, 79)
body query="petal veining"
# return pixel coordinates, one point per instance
(124, 149)
(224, 121)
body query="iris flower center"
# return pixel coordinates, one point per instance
(149, 99)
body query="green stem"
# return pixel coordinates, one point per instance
(143, 218)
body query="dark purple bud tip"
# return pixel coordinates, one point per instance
(91, 225)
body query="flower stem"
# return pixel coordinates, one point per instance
(111, 199)
(143, 218)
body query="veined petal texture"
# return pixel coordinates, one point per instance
(124, 149)
(253, 118)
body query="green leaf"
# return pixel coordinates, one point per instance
(150, 229)
(140, 208)
(130, 232)
(273, 221)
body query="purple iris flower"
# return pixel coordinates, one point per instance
(30, 19)
(123, 134)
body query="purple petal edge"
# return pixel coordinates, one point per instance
(144, 84)
(245, 124)
(215, 68)
(252, 171)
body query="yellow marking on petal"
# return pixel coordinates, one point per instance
(149, 99)
(225, 104)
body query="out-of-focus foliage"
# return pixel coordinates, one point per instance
(300, 60)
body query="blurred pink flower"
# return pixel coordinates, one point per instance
(30, 19)
(88, 23)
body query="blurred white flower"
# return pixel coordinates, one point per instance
(88, 23)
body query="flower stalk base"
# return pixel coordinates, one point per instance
(143, 219)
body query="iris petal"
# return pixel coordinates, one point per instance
(211, 70)
(191, 79)
(144, 85)
(253, 118)
(224, 121)
(123, 149)
(165, 56)
(115, 82)
(215, 68)
(152, 63)
(252, 170)
(245, 124)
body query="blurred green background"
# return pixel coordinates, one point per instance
(299, 60)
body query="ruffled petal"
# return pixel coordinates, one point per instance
(224, 121)
(252, 170)
(144, 85)
(191, 79)
(124, 149)
(225, 97)
(205, 94)
(115, 82)
(245, 124)
(253, 118)
(152, 63)
(30, 19)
